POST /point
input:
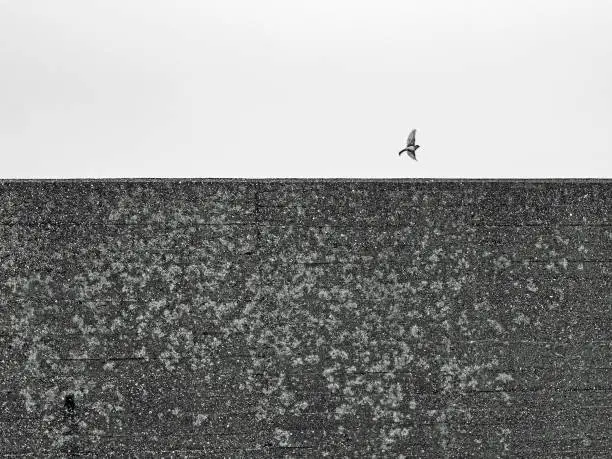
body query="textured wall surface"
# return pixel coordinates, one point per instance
(306, 318)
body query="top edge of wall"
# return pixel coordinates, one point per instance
(309, 180)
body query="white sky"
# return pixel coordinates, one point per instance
(317, 88)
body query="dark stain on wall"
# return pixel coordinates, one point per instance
(305, 318)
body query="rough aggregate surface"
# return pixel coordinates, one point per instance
(306, 318)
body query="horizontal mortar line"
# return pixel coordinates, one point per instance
(358, 184)
(256, 430)
(316, 429)
(383, 258)
(220, 267)
(294, 224)
(282, 373)
(78, 262)
(455, 224)
(456, 394)
(523, 402)
(395, 247)
(484, 281)
(18, 300)
(526, 341)
(560, 362)
(563, 452)
(246, 263)
(299, 300)
(392, 209)
(321, 199)
(366, 242)
(340, 446)
(225, 449)
(309, 293)
(362, 245)
(96, 359)
(158, 243)
(439, 199)
(129, 449)
(566, 363)
(416, 267)
(420, 266)
(169, 434)
(241, 266)
(148, 247)
(111, 335)
(463, 423)
(173, 360)
(184, 450)
(289, 223)
(511, 413)
(190, 434)
(391, 373)
(288, 447)
(236, 270)
(380, 236)
(132, 213)
(569, 260)
(421, 422)
(407, 372)
(487, 288)
(90, 302)
(241, 276)
(346, 256)
(87, 224)
(26, 453)
(569, 438)
(515, 412)
(309, 316)
(213, 294)
(541, 389)
(219, 395)
(190, 450)
(453, 341)
(339, 254)
(408, 339)
(473, 212)
(438, 396)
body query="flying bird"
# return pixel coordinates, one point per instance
(411, 148)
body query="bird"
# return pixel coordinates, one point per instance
(411, 148)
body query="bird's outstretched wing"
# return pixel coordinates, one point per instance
(410, 140)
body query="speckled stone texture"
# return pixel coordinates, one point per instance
(306, 318)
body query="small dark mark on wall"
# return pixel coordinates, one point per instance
(69, 405)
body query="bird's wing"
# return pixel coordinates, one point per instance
(410, 140)
(405, 149)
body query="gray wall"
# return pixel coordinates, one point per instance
(271, 318)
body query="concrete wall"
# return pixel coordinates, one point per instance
(304, 318)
